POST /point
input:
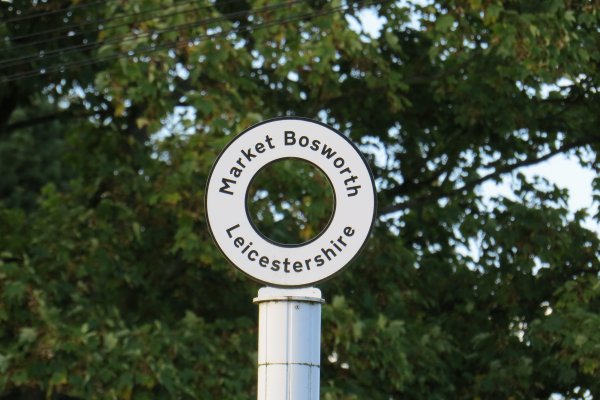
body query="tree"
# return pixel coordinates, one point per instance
(112, 113)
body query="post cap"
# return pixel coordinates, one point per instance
(309, 295)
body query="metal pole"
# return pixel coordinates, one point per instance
(289, 343)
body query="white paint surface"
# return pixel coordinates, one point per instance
(289, 343)
(290, 265)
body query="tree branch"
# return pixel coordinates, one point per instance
(62, 115)
(524, 163)
(476, 182)
(8, 103)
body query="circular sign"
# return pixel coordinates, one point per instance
(280, 264)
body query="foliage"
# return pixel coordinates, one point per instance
(298, 197)
(110, 286)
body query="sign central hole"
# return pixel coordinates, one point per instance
(290, 201)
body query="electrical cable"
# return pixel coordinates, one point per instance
(102, 21)
(181, 43)
(11, 62)
(102, 28)
(148, 49)
(99, 21)
(43, 14)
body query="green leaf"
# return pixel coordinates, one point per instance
(110, 341)
(492, 12)
(4, 363)
(570, 16)
(444, 23)
(28, 335)
(59, 378)
(14, 292)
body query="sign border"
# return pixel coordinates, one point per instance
(371, 178)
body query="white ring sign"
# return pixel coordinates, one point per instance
(280, 264)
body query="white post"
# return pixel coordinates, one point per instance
(289, 343)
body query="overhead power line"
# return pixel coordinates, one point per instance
(44, 56)
(52, 12)
(102, 21)
(177, 44)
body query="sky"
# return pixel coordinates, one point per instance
(562, 170)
